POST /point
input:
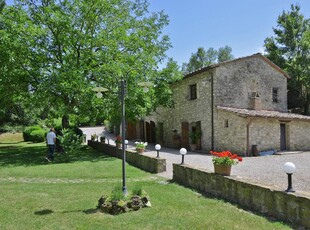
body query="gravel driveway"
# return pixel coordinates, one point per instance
(264, 170)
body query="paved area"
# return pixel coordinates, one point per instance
(264, 170)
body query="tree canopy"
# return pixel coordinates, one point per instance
(289, 49)
(54, 52)
(204, 58)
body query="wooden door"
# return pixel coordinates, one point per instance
(282, 137)
(131, 131)
(148, 131)
(153, 132)
(185, 135)
(198, 129)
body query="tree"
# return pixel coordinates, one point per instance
(224, 54)
(204, 58)
(56, 51)
(2, 5)
(289, 49)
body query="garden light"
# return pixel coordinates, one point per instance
(157, 147)
(289, 168)
(126, 143)
(183, 151)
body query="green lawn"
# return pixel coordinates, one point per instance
(35, 194)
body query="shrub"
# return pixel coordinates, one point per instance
(37, 135)
(138, 191)
(117, 193)
(28, 130)
(69, 141)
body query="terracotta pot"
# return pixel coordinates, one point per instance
(222, 169)
(140, 150)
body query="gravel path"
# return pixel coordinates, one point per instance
(264, 170)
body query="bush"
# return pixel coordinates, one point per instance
(28, 130)
(38, 135)
(69, 140)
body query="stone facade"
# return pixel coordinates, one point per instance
(244, 131)
(219, 101)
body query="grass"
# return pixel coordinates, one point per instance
(63, 195)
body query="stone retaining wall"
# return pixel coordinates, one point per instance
(146, 163)
(289, 207)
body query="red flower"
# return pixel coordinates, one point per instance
(118, 139)
(225, 157)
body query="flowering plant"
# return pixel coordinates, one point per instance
(225, 158)
(118, 139)
(140, 144)
(93, 137)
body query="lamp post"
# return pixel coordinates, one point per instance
(289, 168)
(157, 147)
(99, 91)
(183, 151)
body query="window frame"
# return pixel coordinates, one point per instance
(226, 123)
(275, 95)
(193, 91)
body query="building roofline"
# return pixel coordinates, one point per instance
(203, 69)
(264, 113)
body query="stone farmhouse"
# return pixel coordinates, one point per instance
(237, 105)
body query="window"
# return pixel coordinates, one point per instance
(275, 96)
(226, 125)
(193, 91)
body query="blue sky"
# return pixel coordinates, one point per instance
(241, 24)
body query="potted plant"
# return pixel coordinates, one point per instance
(223, 161)
(194, 136)
(118, 141)
(140, 146)
(94, 137)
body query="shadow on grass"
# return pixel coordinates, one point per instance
(29, 155)
(48, 211)
(43, 212)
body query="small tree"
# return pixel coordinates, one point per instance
(194, 136)
(70, 141)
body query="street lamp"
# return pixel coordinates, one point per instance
(289, 168)
(99, 91)
(157, 147)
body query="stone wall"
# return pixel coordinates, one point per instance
(244, 131)
(235, 82)
(233, 137)
(299, 135)
(146, 163)
(288, 207)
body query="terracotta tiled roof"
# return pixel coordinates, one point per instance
(203, 69)
(264, 113)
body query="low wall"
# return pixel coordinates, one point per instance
(146, 163)
(289, 207)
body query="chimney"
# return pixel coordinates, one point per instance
(255, 101)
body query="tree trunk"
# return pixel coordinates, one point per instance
(65, 121)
